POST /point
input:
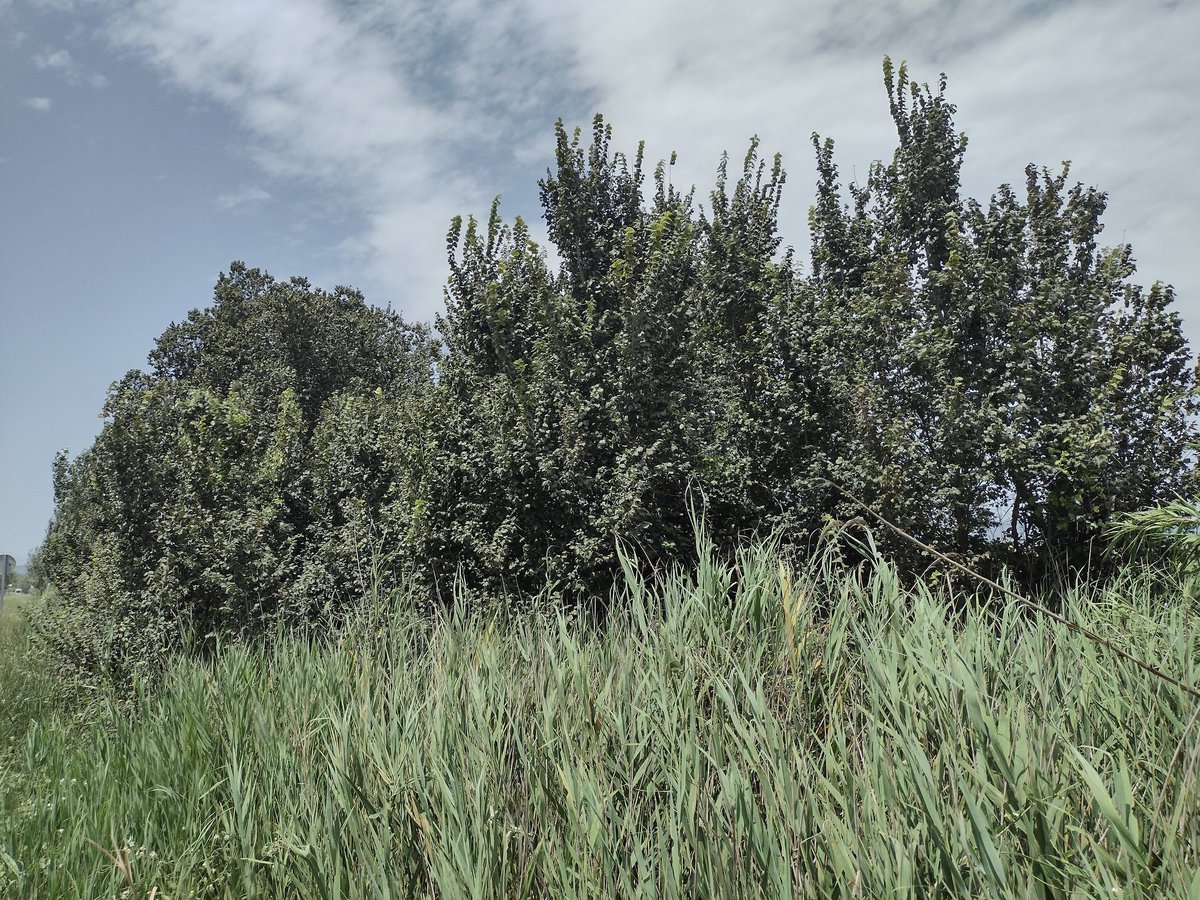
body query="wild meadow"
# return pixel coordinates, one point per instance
(757, 725)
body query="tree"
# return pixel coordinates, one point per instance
(986, 374)
(194, 508)
(567, 392)
(768, 418)
(1006, 373)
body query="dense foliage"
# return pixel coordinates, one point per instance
(985, 373)
(205, 505)
(999, 360)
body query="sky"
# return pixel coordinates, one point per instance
(146, 144)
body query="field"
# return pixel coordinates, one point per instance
(761, 728)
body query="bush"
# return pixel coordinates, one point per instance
(988, 376)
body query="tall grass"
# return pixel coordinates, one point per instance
(28, 693)
(746, 729)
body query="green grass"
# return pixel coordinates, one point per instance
(15, 615)
(29, 695)
(745, 730)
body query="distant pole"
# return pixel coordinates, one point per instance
(7, 566)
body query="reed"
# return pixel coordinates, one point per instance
(754, 727)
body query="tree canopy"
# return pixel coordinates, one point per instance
(986, 373)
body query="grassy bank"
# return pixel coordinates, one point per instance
(751, 730)
(28, 693)
(15, 614)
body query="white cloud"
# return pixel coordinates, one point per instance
(41, 104)
(1107, 84)
(61, 62)
(243, 197)
(1111, 88)
(414, 110)
(353, 99)
(58, 60)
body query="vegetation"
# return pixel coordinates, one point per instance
(1000, 358)
(18, 609)
(348, 606)
(29, 693)
(746, 729)
(983, 372)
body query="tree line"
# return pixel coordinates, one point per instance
(986, 373)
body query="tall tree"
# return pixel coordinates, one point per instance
(196, 507)
(1010, 384)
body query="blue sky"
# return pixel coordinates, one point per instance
(144, 144)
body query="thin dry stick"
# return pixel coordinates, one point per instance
(1037, 607)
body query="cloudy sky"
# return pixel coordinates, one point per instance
(144, 144)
